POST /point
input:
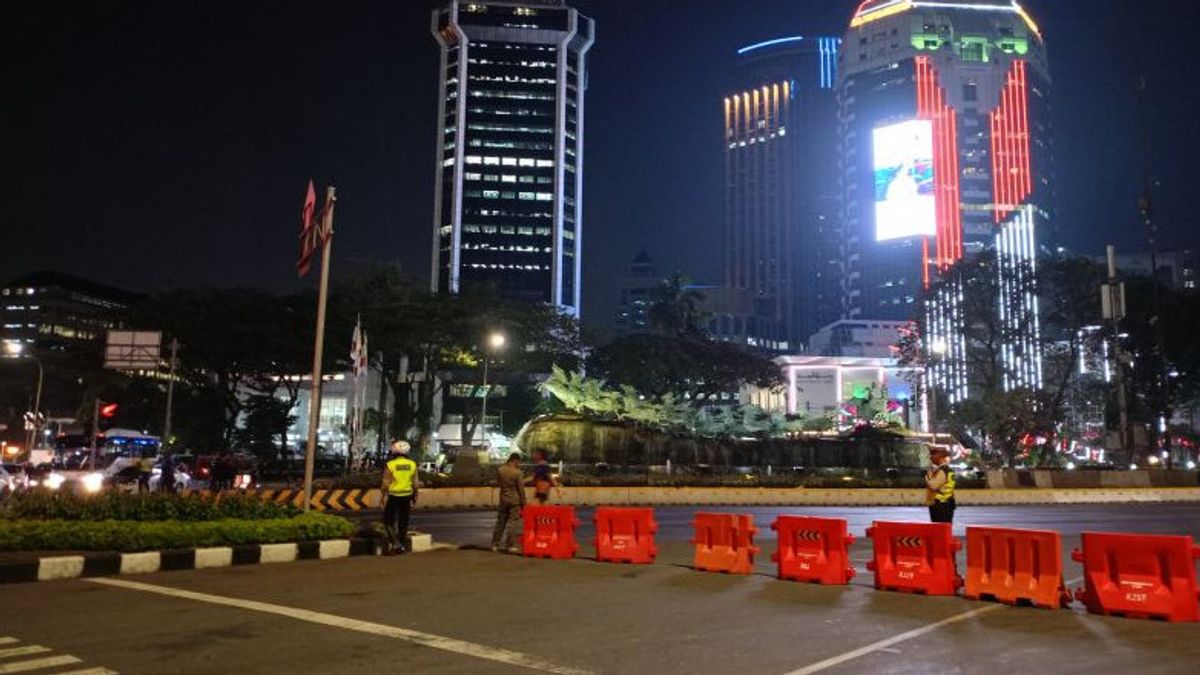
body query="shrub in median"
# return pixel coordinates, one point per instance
(135, 535)
(45, 505)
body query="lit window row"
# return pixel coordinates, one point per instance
(511, 128)
(510, 145)
(493, 266)
(507, 178)
(506, 249)
(525, 196)
(505, 62)
(517, 95)
(18, 291)
(508, 161)
(521, 230)
(511, 78)
(507, 214)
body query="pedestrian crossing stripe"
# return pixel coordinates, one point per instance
(45, 658)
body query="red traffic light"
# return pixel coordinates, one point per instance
(108, 410)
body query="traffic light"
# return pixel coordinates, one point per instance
(108, 410)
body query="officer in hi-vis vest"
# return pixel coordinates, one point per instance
(939, 486)
(400, 484)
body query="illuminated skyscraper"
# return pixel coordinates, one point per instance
(946, 151)
(508, 206)
(781, 190)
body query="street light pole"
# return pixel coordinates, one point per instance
(494, 341)
(17, 350)
(37, 405)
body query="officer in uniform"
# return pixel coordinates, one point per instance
(939, 486)
(400, 483)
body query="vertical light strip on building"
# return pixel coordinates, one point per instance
(1012, 175)
(932, 105)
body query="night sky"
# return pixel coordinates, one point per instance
(161, 144)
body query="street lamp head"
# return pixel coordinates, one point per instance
(496, 340)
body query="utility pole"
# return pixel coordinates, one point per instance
(95, 433)
(166, 437)
(1112, 302)
(1159, 394)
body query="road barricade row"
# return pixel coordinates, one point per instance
(1130, 575)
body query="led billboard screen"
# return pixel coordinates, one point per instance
(904, 201)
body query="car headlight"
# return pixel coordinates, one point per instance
(93, 482)
(54, 481)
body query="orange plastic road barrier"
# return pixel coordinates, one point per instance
(625, 535)
(549, 532)
(914, 557)
(816, 550)
(1140, 576)
(1014, 566)
(724, 543)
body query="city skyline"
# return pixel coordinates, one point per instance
(199, 184)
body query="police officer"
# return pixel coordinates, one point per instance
(400, 484)
(939, 486)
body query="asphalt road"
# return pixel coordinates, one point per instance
(473, 611)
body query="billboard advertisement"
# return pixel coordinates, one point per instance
(903, 162)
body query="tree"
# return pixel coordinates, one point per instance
(675, 309)
(429, 340)
(1068, 292)
(697, 369)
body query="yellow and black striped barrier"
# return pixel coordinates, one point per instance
(358, 499)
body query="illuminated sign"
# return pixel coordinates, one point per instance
(904, 194)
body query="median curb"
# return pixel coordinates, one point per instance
(101, 564)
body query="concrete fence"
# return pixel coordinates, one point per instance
(476, 497)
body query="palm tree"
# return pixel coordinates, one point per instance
(676, 310)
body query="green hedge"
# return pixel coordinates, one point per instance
(114, 535)
(65, 505)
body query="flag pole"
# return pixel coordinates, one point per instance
(314, 399)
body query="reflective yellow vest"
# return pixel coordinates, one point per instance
(403, 471)
(946, 492)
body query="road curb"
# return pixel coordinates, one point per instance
(51, 568)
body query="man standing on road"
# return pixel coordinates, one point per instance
(512, 499)
(939, 486)
(400, 484)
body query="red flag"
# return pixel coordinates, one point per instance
(308, 233)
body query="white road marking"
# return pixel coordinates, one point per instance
(883, 645)
(23, 651)
(896, 639)
(89, 671)
(425, 639)
(37, 664)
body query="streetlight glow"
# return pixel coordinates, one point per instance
(496, 340)
(13, 348)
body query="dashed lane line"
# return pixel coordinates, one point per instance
(884, 644)
(37, 664)
(430, 640)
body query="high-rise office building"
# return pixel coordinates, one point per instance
(508, 209)
(781, 188)
(946, 153)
